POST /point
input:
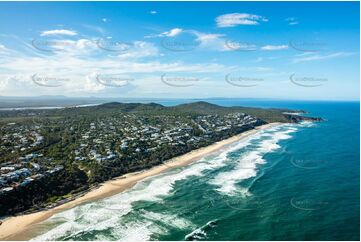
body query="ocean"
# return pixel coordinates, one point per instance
(290, 182)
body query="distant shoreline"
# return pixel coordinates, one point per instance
(20, 227)
(50, 107)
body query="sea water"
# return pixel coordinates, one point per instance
(289, 182)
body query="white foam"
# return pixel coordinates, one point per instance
(135, 231)
(169, 220)
(196, 234)
(103, 215)
(150, 223)
(200, 233)
(247, 165)
(307, 124)
(109, 213)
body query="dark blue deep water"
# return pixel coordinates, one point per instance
(293, 182)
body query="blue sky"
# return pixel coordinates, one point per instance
(286, 50)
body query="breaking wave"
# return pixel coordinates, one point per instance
(247, 165)
(201, 233)
(117, 217)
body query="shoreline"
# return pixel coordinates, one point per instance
(20, 227)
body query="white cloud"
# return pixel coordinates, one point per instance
(14, 82)
(291, 21)
(210, 41)
(274, 47)
(69, 47)
(322, 57)
(140, 49)
(90, 85)
(206, 40)
(172, 32)
(153, 12)
(234, 19)
(208, 37)
(79, 69)
(3, 49)
(58, 32)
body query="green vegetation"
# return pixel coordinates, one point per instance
(49, 156)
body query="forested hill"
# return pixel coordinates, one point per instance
(195, 108)
(204, 108)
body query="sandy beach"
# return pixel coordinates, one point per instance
(20, 227)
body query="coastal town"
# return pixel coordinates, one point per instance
(106, 140)
(17, 139)
(40, 147)
(51, 156)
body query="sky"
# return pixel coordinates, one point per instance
(282, 50)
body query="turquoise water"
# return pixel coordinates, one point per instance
(291, 182)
